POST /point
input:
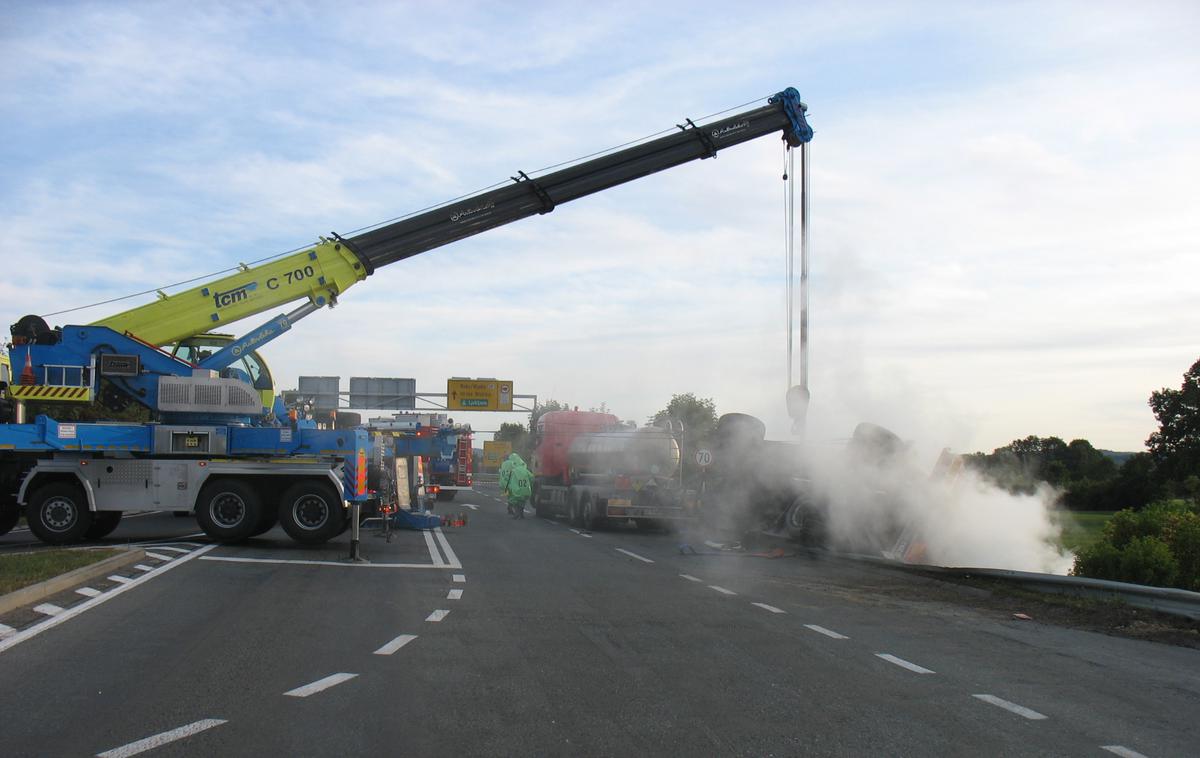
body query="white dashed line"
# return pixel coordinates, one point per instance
(119, 579)
(48, 609)
(6, 631)
(437, 615)
(454, 595)
(469, 505)
(396, 644)
(770, 608)
(585, 534)
(827, 632)
(158, 740)
(691, 578)
(160, 556)
(905, 664)
(460, 578)
(1124, 752)
(633, 555)
(722, 590)
(143, 567)
(321, 684)
(88, 592)
(1020, 710)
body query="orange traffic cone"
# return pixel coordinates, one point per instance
(27, 378)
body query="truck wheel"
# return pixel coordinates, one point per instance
(228, 510)
(589, 516)
(311, 512)
(805, 523)
(103, 525)
(10, 513)
(58, 513)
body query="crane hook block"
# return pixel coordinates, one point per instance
(794, 108)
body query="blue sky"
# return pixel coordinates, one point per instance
(1005, 215)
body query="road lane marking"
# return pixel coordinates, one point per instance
(1020, 710)
(143, 567)
(454, 595)
(321, 684)
(633, 555)
(437, 616)
(770, 608)
(451, 558)
(469, 505)
(343, 564)
(722, 590)
(1124, 752)
(905, 664)
(826, 632)
(583, 534)
(172, 549)
(86, 605)
(48, 609)
(158, 740)
(160, 556)
(434, 555)
(460, 578)
(88, 592)
(691, 578)
(396, 644)
(6, 631)
(121, 579)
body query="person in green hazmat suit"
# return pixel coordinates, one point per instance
(516, 482)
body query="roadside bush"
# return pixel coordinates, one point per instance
(1159, 545)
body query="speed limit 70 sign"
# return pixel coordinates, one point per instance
(703, 457)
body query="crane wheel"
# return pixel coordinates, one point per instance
(228, 510)
(311, 512)
(10, 513)
(58, 513)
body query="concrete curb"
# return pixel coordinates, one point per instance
(54, 585)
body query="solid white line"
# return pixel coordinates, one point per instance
(770, 608)
(72, 612)
(143, 567)
(6, 631)
(172, 549)
(341, 564)
(48, 609)
(1124, 752)
(434, 555)
(88, 592)
(905, 664)
(121, 579)
(451, 558)
(321, 684)
(1020, 710)
(722, 590)
(158, 740)
(396, 644)
(160, 557)
(691, 578)
(437, 616)
(633, 555)
(460, 578)
(826, 632)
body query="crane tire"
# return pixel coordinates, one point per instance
(311, 512)
(104, 523)
(228, 510)
(58, 513)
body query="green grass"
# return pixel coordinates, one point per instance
(1082, 528)
(24, 569)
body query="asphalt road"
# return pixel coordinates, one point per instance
(523, 637)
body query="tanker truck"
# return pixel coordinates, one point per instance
(596, 471)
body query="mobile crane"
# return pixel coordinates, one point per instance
(219, 446)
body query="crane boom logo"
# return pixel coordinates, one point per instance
(235, 295)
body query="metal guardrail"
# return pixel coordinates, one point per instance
(1174, 602)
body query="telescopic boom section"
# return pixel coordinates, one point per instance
(321, 273)
(531, 196)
